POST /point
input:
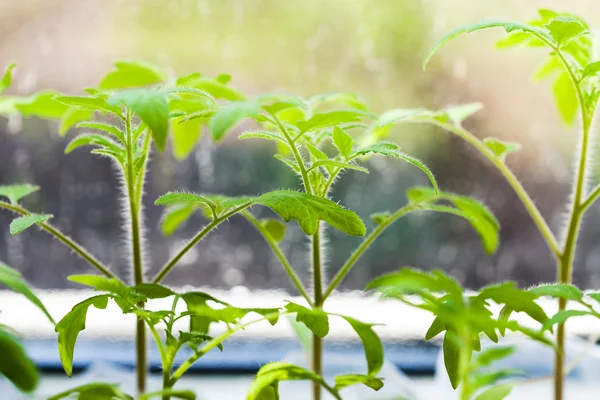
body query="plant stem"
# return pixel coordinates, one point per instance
(317, 344)
(66, 240)
(296, 153)
(282, 258)
(366, 243)
(136, 253)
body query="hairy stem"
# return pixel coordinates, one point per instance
(136, 253)
(366, 243)
(317, 343)
(296, 153)
(66, 240)
(282, 258)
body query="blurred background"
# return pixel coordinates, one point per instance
(371, 47)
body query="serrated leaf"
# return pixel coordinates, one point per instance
(18, 225)
(503, 318)
(153, 290)
(14, 193)
(212, 86)
(174, 216)
(330, 164)
(71, 325)
(6, 79)
(94, 391)
(41, 104)
(381, 148)
(11, 278)
(343, 142)
(88, 103)
(315, 319)
(458, 114)
(315, 153)
(514, 39)
(500, 148)
(276, 103)
(437, 326)
(290, 163)
(499, 392)
(592, 69)
(16, 365)
(564, 28)
(413, 281)
(508, 26)
(480, 217)
(126, 298)
(71, 118)
(566, 98)
(559, 290)
(265, 385)
(92, 139)
(128, 74)
(344, 99)
(331, 118)
(152, 108)
(230, 115)
(274, 136)
(108, 128)
(517, 299)
(371, 343)
(562, 316)
(491, 354)
(451, 349)
(307, 209)
(275, 228)
(547, 68)
(342, 381)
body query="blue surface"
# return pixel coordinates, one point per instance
(237, 356)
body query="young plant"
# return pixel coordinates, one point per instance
(318, 139)
(15, 364)
(572, 63)
(132, 108)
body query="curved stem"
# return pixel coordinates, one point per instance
(215, 343)
(66, 240)
(199, 236)
(296, 153)
(513, 181)
(339, 277)
(282, 258)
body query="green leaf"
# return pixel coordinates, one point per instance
(507, 25)
(516, 299)
(437, 326)
(566, 98)
(16, 365)
(275, 228)
(330, 164)
(307, 209)
(342, 381)
(381, 217)
(500, 148)
(274, 136)
(91, 139)
(458, 114)
(342, 141)
(108, 128)
(480, 217)
(560, 290)
(41, 104)
(381, 148)
(185, 136)
(289, 163)
(277, 103)
(175, 216)
(592, 69)
(176, 394)
(94, 391)
(371, 343)
(491, 354)
(11, 278)
(499, 392)
(88, 103)
(18, 225)
(6, 79)
(69, 327)
(344, 99)
(230, 115)
(562, 316)
(196, 304)
(128, 74)
(315, 153)
(451, 349)
(14, 193)
(153, 290)
(331, 118)
(265, 385)
(564, 28)
(212, 86)
(151, 106)
(71, 117)
(315, 319)
(413, 281)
